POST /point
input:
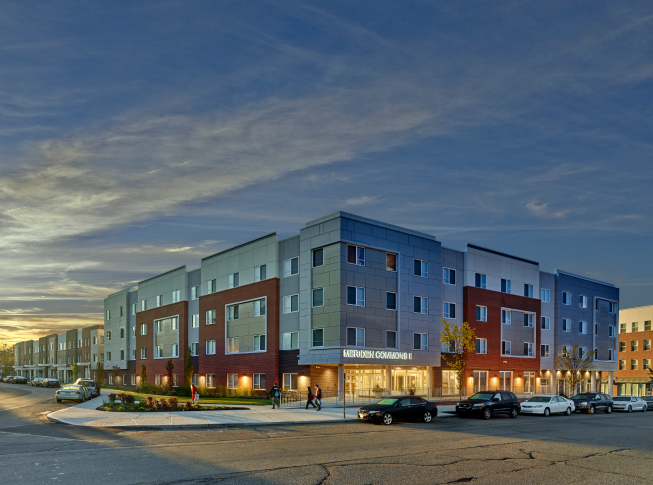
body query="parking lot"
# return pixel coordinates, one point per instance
(599, 449)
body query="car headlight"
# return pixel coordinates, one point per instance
(539, 406)
(478, 405)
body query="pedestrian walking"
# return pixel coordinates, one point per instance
(318, 397)
(274, 392)
(309, 398)
(195, 396)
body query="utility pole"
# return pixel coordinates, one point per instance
(344, 394)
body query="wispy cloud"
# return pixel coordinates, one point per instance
(366, 199)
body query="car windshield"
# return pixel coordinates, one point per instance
(86, 383)
(483, 396)
(72, 388)
(583, 396)
(621, 399)
(387, 401)
(539, 399)
(647, 398)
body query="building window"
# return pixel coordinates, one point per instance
(159, 300)
(449, 347)
(528, 320)
(133, 379)
(195, 320)
(635, 327)
(544, 350)
(622, 328)
(583, 301)
(611, 331)
(480, 281)
(356, 337)
(318, 337)
(610, 354)
(194, 292)
(143, 353)
(134, 307)
(108, 314)
(613, 307)
(290, 382)
(421, 268)
(259, 308)
(259, 343)
(647, 326)
(234, 280)
(566, 298)
(158, 351)
(233, 313)
(176, 296)
(528, 349)
(421, 305)
(133, 354)
(449, 276)
(233, 345)
(505, 347)
(195, 348)
(622, 365)
(355, 296)
(121, 311)
(622, 346)
(545, 295)
(634, 345)
(481, 346)
(582, 327)
(290, 267)
(259, 382)
(210, 347)
(449, 310)
(318, 297)
(174, 349)
(566, 325)
(195, 379)
(545, 323)
(356, 255)
(122, 355)
(391, 339)
(633, 364)
(390, 262)
(108, 356)
(505, 286)
(506, 317)
(390, 300)
(647, 364)
(143, 328)
(173, 324)
(108, 337)
(420, 341)
(290, 340)
(260, 273)
(291, 303)
(528, 290)
(232, 381)
(318, 258)
(110, 378)
(133, 331)
(565, 351)
(143, 305)
(211, 286)
(157, 326)
(647, 344)
(210, 381)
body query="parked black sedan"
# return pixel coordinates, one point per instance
(19, 380)
(400, 408)
(590, 402)
(649, 402)
(489, 403)
(49, 382)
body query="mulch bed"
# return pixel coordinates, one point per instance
(135, 408)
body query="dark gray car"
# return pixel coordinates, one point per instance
(591, 402)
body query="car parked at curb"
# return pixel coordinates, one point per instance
(547, 405)
(91, 384)
(36, 381)
(50, 382)
(19, 380)
(73, 392)
(590, 402)
(400, 408)
(8, 379)
(489, 403)
(629, 404)
(649, 402)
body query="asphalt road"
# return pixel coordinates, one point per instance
(585, 449)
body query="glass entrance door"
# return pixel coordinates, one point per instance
(480, 380)
(505, 380)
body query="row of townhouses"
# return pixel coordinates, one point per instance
(357, 303)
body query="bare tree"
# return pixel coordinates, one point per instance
(574, 363)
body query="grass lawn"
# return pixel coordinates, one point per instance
(243, 401)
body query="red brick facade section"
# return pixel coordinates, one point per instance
(491, 330)
(245, 365)
(158, 366)
(639, 354)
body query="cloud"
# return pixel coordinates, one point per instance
(362, 200)
(545, 212)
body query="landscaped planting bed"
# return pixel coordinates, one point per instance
(155, 404)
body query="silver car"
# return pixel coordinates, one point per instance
(36, 381)
(629, 404)
(74, 393)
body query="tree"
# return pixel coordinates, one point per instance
(574, 365)
(99, 373)
(115, 371)
(460, 340)
(169, 367)
(75, 369)
(143, 376)
(6, 359)
(188, 368)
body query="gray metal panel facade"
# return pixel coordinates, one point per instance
(547, 337)
(289, 285)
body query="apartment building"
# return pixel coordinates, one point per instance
(635, 354)
(354, 303)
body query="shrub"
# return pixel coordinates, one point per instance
(173, 402)
(183, 390)
(128, 399)
(164, 404)
(112, 397)
(122, 396)
(188, 406)
(150, 401)
(157, 405)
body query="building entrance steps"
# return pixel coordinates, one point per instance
(85, 414)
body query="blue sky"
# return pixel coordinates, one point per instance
(139, 136)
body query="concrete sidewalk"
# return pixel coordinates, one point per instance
(85, 414)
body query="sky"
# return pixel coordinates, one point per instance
(136, 137)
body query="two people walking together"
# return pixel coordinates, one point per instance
(317, 396)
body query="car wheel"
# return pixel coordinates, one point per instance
(58, 400)
(487, 413)
(387, 419)
(591, 410)
(547, 412)
(630, 409)
(644, 409)
(514, 412)
(568, 412)
(609, 410)
(427, 417)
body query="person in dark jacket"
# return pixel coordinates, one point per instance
(309, 399)
(318, 397)
(274, 392)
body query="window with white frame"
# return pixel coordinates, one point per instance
(143, 305)
(133, 379)
(157, 326)
(290, 340)
(481, 346)
(174, 323)
(110, 378)
(318, 297)
(290, 382)
(158, 351)
(481, 313)
(545, 295)
(390, 262)
(195, 379)
(391, 339)
(108, 314)
(210, 347)
(545, 322)
(390, 300)
(211, 286)
(420, 341)
(318, 337)
(233, 313)
(528, 319)
(143, 353)
(134, 308)
(356, 255)
(581, 352)
(210, 381)
(174, 350)
(108, 356)
(566, 325)
(505, 347)
(634, 327)
(290, 267)
(195, 320)
(318, 258)
(195, 348)
(258, 382)
(633, 364)
(566, 298)
(480, 280)
(260, 273)
(176, 296)
(259, 308)
(565, 350)
(290, 303)
(232, 381)
(234, 280)
(133, 331)
(611, 331)
(233, 345)
(582, 327)
(355, 296)
(157, 379)
(355, 337)
(449, 276)
(143, 328)
(259, 343)
(421, 305)
(122, 355)
(528, 290)
(159, 300)
(613, 307)
(506, 317)
(449, 347)
(647, 362)
(506, 286)
(133, 354)
(421, 268)
(528, 349)
(108, 337)
(544, 350)
(194, 292)
(583, 301)
(449, 310)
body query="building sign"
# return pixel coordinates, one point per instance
(377, 354)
